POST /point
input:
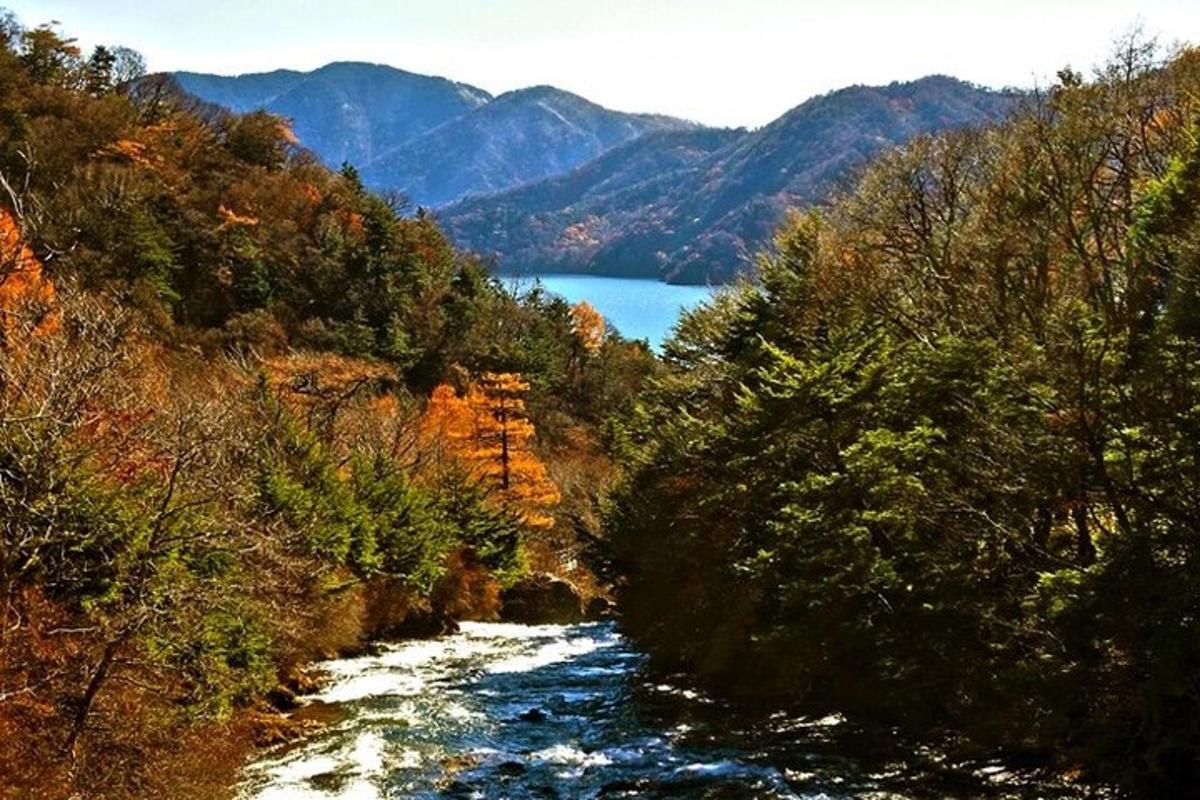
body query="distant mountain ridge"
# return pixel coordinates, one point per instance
(435, 140)
(344, 111)
(701, 204)
(544, 180)
(518, 137)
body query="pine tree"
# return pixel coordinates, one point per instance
(488, 429)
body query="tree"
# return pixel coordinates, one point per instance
(50, 57)
(589, 326)
(931, 467)
(487, 429)
(127, 66)
(98, 71)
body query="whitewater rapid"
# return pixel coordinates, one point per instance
(515, 711)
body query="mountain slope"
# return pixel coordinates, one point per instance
(697, 222)
(559, 223)
(518, 137)
(345, 111)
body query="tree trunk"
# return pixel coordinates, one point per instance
(1085, 549)
(89, 695)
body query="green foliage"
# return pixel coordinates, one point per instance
(228, 662)
(939, 464)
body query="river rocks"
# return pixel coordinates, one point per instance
(283, 699)
(533, 715)
(542, 599)
(599, 608)
(467, 590)
(268, 730)
(397, 611)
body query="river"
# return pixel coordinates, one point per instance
(513, 711)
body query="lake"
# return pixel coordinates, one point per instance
(638, 308)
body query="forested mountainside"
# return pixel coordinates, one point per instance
(938, 466)
(696, 214)
(518, 137)
(344, 112)
(560, 223)
(688, 204)
(250, 416)
(934, 468)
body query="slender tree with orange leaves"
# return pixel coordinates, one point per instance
(488, 429)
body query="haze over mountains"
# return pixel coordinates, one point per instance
(543, 180)
(435, 140)
(692, 206)
(344, 111)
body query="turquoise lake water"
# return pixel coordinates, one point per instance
(639, 309)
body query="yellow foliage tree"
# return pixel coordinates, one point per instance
(487, 429)
(589, 326)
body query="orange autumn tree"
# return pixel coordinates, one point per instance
(24, 289)
(488, 430)
(589, 326)
(320, 388)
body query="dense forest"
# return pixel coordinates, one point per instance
(251, 415)
(939, 464)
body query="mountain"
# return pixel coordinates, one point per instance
(432, 139)
(345, 111)
(518, 137)
(689, 208)
(544, 180)
(560, 223)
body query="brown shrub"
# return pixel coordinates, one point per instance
(338, 621)
(467, 590)
(396, 610)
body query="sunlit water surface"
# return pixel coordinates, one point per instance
(513, 711)
(638, 308)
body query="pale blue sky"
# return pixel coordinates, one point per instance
(725, 62)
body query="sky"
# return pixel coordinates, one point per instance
(721, 62)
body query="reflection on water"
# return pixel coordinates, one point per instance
(513, 711)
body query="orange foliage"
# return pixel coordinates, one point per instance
(128, 150)
(322, 389)
(23, 286)
(588, 325)
(351, 222)
(487, 430)
(230, 218)
(323, 375)
(115, 440)
(312, 194)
